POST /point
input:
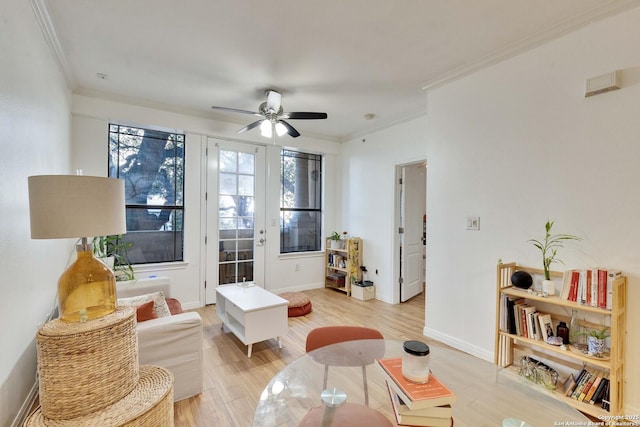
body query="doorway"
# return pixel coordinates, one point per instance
(410, 240)
(235, 221)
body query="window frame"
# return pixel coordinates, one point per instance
(317, 197)
(177, 208)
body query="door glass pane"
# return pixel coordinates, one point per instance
(245, 206)
(246, 163)
(245, 185)
(228, 183)
(228, 161)
(236, 208)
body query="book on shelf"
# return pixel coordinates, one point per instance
(612, 275)
(592, 287)
(574, 383)
(415, 396)
(602, 288)
(526, 318)
(594, 387)
(507, 316)
(588, 385)
(585, 377)
(604, 398)
(602, 392)
(546, 326)
(437, 416)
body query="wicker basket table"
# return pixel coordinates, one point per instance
(149, 404)
(90, 376)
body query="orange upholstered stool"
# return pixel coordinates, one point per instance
(299, 303)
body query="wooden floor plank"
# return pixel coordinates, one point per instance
(233, 383)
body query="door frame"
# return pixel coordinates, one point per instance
(211, 219)
(395, 274)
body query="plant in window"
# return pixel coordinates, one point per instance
(114, 247)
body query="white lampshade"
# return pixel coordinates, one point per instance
(66, 206)
(265, 129)
(280, 129)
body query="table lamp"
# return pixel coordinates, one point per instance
(68, 206)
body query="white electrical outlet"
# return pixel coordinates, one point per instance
(473, 223)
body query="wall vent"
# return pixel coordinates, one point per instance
(604, 83)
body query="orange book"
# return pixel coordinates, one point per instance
(416, 396)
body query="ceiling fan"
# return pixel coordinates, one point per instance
(273, 116)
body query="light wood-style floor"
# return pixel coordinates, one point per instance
(233, 383)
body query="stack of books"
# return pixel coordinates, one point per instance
(414, 404)
(589, 386)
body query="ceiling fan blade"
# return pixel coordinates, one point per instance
(304, 115)
(235, 110)
(290, 129)
(251, 126)
(273, 100)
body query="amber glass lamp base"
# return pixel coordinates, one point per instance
(87, 289)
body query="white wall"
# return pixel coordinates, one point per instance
(368, 191)
(517, 144)
(34, 139)
(91, 116)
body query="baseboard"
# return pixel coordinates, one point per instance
(458, 344)
(300, 288)
(25, 409)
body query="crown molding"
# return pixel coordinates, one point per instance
(41, 12)
(612, 7)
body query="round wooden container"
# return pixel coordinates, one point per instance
(85, 367)
(150, 403)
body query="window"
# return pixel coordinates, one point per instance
(151, 163)
(300, 202)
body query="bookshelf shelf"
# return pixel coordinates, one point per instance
(342, 266)
(507, 344)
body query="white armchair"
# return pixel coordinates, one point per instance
(172, 342)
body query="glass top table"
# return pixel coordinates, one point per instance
(486, 394)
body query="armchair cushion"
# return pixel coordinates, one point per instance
(159, 302)
(145, 312)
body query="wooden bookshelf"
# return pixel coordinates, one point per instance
(506, 344)
(345, 263)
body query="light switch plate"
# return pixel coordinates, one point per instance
(473, 223)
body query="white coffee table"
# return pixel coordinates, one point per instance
(252, 313)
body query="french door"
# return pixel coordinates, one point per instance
(235, 206)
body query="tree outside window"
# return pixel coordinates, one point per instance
(151, 163)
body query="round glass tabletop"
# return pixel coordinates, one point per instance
(486, 394)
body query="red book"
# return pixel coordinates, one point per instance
(602, 288)
(575, 281)
(416, 396)
(588, 288)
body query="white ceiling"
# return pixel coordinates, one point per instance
(343, 57)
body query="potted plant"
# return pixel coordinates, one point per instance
(335, 240)
(596, 339)
(549, 250)
(113, 251)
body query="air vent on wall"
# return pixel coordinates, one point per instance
(604, 83)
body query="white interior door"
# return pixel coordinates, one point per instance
(235, 214)
(412, 209)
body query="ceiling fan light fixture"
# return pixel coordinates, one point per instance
(265, 129)
(280, 129)
(273, 117)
